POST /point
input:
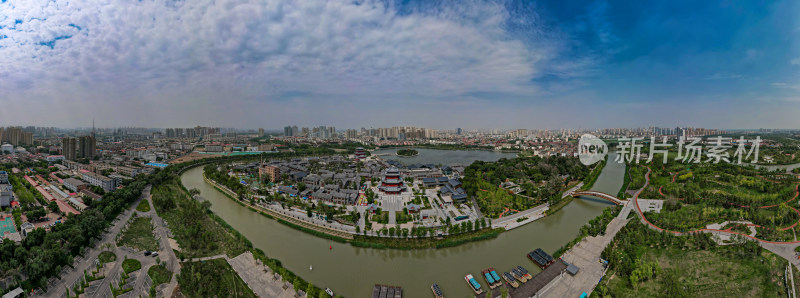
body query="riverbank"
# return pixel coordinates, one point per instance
(302, 225)
(355, 239)
(201, 232)
(424, 243)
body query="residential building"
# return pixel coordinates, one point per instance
(7, 148)
(273, 172)
(74, 185)
(6, 195)
(104, 182)
(69, 147)
(54, 158)
(87, 147)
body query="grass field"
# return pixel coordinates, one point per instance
(197, 233)
(131, 265)
(143, 206)
(139, 235)
(159, 274)
(646, 263)
(107, 256)
(707, 274)
(213, 278)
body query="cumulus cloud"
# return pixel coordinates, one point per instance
(262, 49)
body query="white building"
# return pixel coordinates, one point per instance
(6, 195)
(104, 182)
(52, 158)
(7, 148)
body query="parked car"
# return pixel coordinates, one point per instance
(147, 253)
(154, 254)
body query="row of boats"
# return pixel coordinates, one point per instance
(513, 277)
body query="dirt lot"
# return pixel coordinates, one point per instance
(191, 156)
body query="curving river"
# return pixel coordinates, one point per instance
(352, 271)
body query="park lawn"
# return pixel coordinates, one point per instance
(159, 274)
(381, 218)
(107, 256)
(144, 206)
(131, 265)
(403, 217)
(139, 235)
(707, 273)
(213, 278)
(198, 232)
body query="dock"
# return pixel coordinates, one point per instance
(384, 291)
(539, 281)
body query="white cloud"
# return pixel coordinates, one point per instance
(795, 61)
(261, 49)
(723, 76)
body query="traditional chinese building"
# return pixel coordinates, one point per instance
(392, 182)
(361, 154)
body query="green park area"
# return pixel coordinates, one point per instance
(195, 229)
(159, 274)
(143, 206)
(696, 195)
(530, 181)
(131, 265)
(212, 278)
(647, 263)
(139, 235)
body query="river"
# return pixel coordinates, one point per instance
(352, 271)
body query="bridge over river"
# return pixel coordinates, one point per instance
(598, 194)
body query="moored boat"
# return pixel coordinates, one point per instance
(525, 272)
(437, 292)
(510, 279)
(518, 275)
(487, 275)
(495, 276)
(473, 284)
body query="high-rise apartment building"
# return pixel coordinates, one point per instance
(16, 136)
(87, 147)
(69, 148)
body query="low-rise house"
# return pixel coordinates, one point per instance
(74, 185)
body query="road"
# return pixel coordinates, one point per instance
(510, 222)
(165, 250)
(70, 276)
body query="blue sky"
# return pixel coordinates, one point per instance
(441, 64)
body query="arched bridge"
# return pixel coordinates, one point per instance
(598, 194)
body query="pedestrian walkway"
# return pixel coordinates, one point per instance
(259, 277)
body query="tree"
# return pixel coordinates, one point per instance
(308, 211)
(53, 206)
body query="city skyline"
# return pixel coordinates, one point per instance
(478, 64)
